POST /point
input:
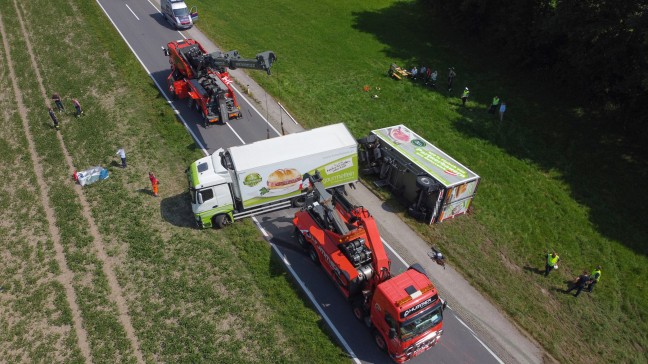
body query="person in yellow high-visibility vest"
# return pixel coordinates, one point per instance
(594, 278)
(464, 96)
(552, 263)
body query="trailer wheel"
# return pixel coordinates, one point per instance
(301, 239)
(222, 220)
(298, 201)
(424, 182)
(379, 340)
(313, 255)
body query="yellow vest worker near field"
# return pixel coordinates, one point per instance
(552, 263)
(595, 276)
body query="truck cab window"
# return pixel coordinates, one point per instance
(207, 194)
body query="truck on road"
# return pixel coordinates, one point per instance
(404, 311)
(202, 78)
(433, 185)
(270, 174)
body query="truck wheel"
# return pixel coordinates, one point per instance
(358, 311)
(424, 182)
(190, 103)
(220, 221)
(298, 201)
(379, 340)
(313, 255)
(301, 239)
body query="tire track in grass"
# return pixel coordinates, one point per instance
(66, 276)
(116, 293)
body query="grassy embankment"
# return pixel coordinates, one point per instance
(193, 296)
(552, 178)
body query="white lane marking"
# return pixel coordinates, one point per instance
(234, 131)
(312, 299)
(132, 12)
(255, 109)
(456, 316)
(184, 122)
(481, 342)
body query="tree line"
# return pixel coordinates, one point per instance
(597, 47)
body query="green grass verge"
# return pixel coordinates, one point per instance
(551, 178)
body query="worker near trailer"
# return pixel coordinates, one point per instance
(54, 118)
(464, 96)
(414, 73)
(451, 76)
(494, 105)
(594, 278)
(580, 283)
(552, 262)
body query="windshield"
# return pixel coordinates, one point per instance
(181, 12)
(421, 323)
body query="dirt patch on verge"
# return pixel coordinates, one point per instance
(116, 294)
(66, 276)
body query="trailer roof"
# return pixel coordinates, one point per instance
(291, 146)
(425, 155)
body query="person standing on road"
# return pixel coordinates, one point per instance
(77, 106)
(122, 155)
(59, 103)
(594, 278)
(552, 262)
(464, 96)
(54, 118)
(580, 283)
(494, 105)
(451, 76)
(154, 183)
(502, 110)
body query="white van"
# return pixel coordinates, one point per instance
(178, 14)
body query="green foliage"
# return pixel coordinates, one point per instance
(596, 49)
(551, 177)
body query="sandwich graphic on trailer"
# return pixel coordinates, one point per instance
(281, 182)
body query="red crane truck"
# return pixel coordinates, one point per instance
(202, 78)
(405, 311)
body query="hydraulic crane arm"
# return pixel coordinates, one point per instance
(232, 60)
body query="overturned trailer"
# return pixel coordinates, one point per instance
(434, 186)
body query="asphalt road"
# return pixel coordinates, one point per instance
(146, 31)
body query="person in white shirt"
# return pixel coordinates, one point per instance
(122, 155)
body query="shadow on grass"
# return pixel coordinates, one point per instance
(534, 270)
(545, 123)
(176, 210)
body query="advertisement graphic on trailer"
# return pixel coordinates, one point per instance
(271, 183)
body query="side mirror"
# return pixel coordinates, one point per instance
(166, 51)
(392, 333)
(199, 198)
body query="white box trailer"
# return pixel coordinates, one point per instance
(270, 174)
(434, 186)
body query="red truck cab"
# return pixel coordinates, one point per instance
(407, 314)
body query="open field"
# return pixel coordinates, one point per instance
(131, 261)
(552, 177)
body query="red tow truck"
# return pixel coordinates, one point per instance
(202, 78)
(404, 311)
